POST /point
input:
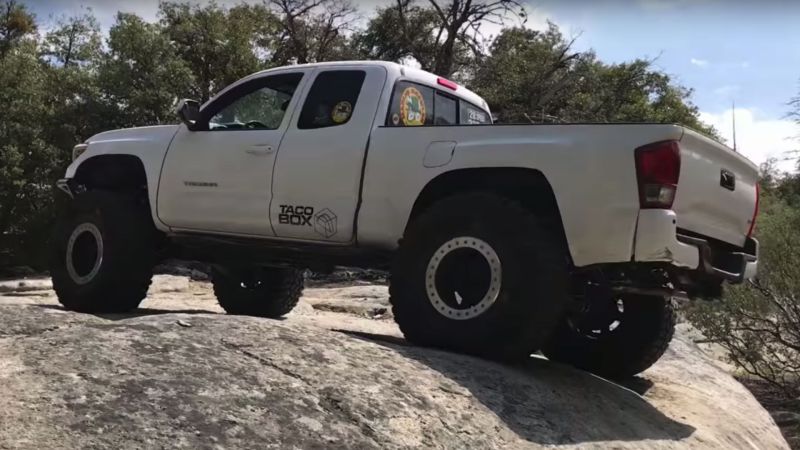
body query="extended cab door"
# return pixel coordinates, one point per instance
(318, 170)
(218, 179)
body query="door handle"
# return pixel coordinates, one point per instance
(260, 149)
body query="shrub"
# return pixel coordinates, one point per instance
(758, 323)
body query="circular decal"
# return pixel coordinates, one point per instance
(412, 107)
(396, 119)
(341, 112)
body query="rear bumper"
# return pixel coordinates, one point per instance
(658, 240)
(734, 266)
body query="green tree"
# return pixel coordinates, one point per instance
(536, 76)
(28, 163)
(15, 24)
(75, 41)
(636, 92)
(313, 30)
(142, 75)
(218, 45)
(387, 35)
(533, 74)
(444, 38)
(73, 51)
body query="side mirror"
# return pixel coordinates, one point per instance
(189, 113)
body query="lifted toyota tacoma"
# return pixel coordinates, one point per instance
(501, 240)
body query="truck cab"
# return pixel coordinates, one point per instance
(281, 153)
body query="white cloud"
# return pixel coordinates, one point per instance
(758, 137)
(699, 62)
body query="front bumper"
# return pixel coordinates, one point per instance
(658, 240)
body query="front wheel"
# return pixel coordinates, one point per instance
(257, 291)
(615, 337)
(103, 253)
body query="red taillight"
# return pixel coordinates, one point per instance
(755, 213)
(447, 83)
(658, 167)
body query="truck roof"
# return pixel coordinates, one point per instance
(401, 71)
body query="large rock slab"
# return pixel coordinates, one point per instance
(180, 375)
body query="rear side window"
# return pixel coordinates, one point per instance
(332, 99)
(446, 110)
(472, 115)
(412, 106)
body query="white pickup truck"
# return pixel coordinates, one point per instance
(501, 239)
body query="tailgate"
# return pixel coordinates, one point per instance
(716, 195)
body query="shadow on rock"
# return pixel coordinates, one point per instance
(548, 403)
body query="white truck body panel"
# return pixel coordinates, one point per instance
(221, 181)
(599, 216)
(321, 168)
(149, 144)
(368, 175)
(702, 206)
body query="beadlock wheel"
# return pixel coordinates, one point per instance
(84, 253)
(480, 274)
(102, 252)
(463, 278)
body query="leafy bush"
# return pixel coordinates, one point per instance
(28, 162)
(759, 323)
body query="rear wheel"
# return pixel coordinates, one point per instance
(479, 274)
(616, 336)
(257, 291)
(103, 252)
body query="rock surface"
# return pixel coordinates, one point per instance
(179, 374)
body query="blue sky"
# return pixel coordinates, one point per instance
(726, 50)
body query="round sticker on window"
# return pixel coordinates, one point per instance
(412, 107)
(396, 119)
(341, 112)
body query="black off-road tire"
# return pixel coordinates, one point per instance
(642, 337)
(275, 295)
(533, 291)
(128, 239)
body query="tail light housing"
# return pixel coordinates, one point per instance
(658, 167)
(755, 213)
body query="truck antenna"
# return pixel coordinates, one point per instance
(733, 113)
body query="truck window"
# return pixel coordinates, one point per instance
(472, 115)
(332, 99)
(446, 110)
(256, 105)
(412, 105)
